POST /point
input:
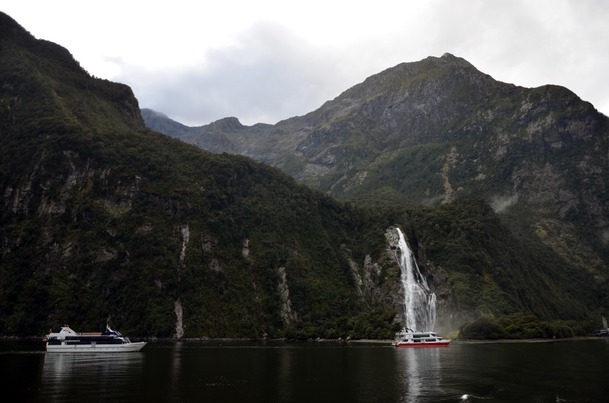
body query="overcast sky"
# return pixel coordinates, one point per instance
(267, 60)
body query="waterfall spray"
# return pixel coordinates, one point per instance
(419, 301)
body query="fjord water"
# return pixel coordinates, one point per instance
(562, 371)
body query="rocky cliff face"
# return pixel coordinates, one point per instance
(438, 129)
(104, 220)
(475, 132)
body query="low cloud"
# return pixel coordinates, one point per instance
(273, 70)
(269, 74)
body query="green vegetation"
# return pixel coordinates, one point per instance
(524, 326)
(494, 271)
(104, 220)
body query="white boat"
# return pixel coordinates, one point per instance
(408, 338)
(108, 341)
(605, 330)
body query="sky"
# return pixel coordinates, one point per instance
(267, 60)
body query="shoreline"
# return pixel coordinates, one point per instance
(318, 340)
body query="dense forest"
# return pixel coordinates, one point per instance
(104, 220)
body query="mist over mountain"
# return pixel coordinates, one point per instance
(104, 220)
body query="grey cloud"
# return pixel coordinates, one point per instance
(269, 75)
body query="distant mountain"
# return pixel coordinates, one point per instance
(432, 131)
(163, 124)
(104, 220)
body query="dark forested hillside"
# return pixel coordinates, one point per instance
(105, 220)
(434, 131)
(431, 131)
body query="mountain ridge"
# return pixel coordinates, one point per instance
(104, 220)
(436, 130)
(429, 131)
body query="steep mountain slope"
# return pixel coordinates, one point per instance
(472, 127)
(432, 131)
(164, 124)
(103, 219)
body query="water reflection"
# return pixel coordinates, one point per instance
(73, 377)
(284, 377)
(174, 374)
(311, 372)
(420, 373)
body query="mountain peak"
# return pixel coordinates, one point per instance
(224, 124)
(452, 58)
(51, 76)
(94, 203)
(10, 29)
(459, 126)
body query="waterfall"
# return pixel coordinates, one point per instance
(419, 301)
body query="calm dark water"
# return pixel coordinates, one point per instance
(565, 371)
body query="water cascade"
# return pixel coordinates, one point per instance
(419, 301)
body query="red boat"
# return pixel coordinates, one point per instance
(408, 338)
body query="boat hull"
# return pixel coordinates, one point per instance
(422, 345)
(99, 348)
